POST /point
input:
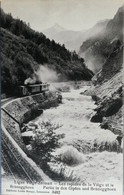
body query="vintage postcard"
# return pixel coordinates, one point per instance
(62, 97)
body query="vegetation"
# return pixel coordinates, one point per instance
(23, 50)
(44, 143)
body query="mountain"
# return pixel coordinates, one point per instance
(73, 39)
(23, 51)
(61, 35)
(53, 30)
(64, 36)
(97, 49)
(84, 35)
(107, 88)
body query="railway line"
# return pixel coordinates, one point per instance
(7, 167)
(12, 164)
(4, 162)
(15, 163)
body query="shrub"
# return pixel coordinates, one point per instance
(44, 143)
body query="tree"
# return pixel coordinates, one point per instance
(44, 143)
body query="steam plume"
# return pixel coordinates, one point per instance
(43, 74)
(46, 74)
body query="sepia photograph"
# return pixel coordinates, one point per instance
(61, 97)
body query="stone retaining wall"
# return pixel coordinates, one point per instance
(14, 114)
(25, 109)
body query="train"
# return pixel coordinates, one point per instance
(31, 89)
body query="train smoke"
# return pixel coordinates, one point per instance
(46, 74)
(43, 74)
(32, 80)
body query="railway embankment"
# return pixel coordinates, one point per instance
(14, 114)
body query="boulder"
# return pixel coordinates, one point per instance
(96, 118)
(95, 98)
(114, 107)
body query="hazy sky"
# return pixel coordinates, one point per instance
(71, 14)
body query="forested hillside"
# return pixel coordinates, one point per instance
(23, 50)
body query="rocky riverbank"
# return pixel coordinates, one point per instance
(108, 98)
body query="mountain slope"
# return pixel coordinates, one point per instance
(97, 49)
(107, 91)
(23, 51)
(112, 65)
(76, 43)
(73, 39)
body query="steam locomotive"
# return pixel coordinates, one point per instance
(30, 89)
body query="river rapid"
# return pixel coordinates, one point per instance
(87, 152)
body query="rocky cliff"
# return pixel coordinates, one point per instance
(108, 95)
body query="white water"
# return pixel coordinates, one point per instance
(74, 116)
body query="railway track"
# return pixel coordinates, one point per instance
(15, 163)
(12, 164)
(6, 167)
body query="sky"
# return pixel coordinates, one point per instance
(70, 14)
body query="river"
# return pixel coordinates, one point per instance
(87, 152)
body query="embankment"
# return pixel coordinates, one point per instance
(14, 114)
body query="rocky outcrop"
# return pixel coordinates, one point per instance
(108, 97)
